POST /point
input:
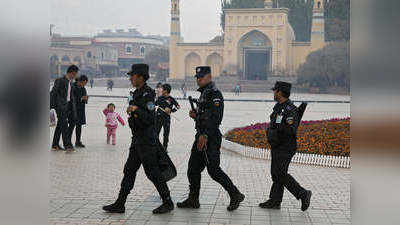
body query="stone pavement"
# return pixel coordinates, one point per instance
(83, 181)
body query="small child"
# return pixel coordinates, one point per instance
(112, 119)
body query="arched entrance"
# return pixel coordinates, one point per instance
(65, 63)
(215, 62)
(191, 62)
(78, 61)
(54, 66)
(255, 53)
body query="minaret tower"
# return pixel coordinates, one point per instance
(318, 25)
(174, 38)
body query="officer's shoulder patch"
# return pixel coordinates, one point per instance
(289, 107)
(290, 120)
(217, 101)
(151, 106)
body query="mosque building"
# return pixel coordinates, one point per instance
(257, 42)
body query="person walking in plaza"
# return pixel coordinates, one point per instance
(281, 136)
(237, 89)
(159, 90)
(110, 84)
(112, 119)
(183, 89)
(91, 82)
(62, 100)
(206, 147)
(145, 145)
(81, 99)
(166, 105)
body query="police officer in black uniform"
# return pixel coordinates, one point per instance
(206, 147)
(166, 105)
(144, 145)
(281, 132)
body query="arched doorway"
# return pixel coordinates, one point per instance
(215, 62)
(65, 63)
(255, 53)
(192, 61)
(54, 66)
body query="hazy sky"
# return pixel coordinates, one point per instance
(199, 18)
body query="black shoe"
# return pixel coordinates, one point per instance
(192, 202)
(114, 208)
(57, 148)
(305, 201)
(270, 204)
(69, 149)
(79, 145)
(166, 207)
(236, 199)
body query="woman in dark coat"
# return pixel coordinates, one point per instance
(81, 97)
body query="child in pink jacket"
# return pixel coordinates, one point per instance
(112, 119)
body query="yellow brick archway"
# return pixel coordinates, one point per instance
(192, 60)
(215, 61)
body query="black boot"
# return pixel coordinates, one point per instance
(118, 206)
(79, 145)
(305, 200)
(236, 199)
(191, 202)
(270, 204)
(166, 207)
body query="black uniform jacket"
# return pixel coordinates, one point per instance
(142, 120)
(164, 102)
(210, 110)
(283, 128)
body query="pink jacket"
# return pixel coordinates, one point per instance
(112, 119)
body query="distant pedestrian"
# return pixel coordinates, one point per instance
(112, 119)
(159, 89)
(183, 89)
(237, 89)
(110, 84)
(91, 82)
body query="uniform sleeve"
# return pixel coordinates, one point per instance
(120, 119)
(214, 114)
(145, 113)
(176, 104)
(84, 93)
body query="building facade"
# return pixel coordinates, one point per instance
(257, 43)
(92, 58)
(109, 53)
(131, 45)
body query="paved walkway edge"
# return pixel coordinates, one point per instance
(301, 158)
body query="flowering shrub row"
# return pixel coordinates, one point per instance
(323, 137)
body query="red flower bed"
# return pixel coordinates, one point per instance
(323, 137)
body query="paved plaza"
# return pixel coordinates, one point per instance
(83, 181)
